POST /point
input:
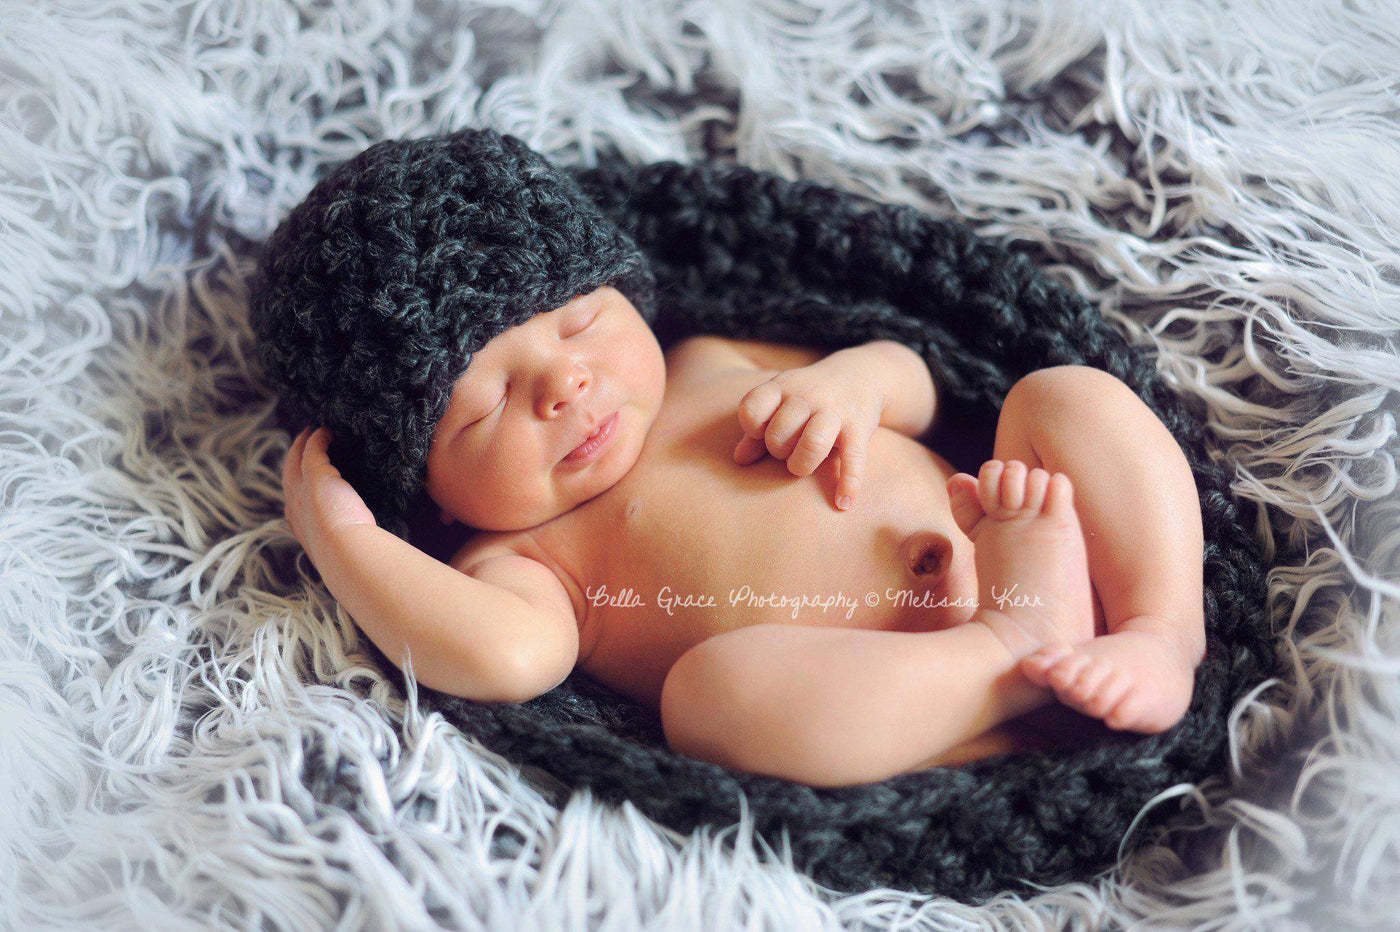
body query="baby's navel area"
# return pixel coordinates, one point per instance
(690, 544)
(928, 556)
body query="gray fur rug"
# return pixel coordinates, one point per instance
(190, 733)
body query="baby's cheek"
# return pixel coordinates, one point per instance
(494, 499)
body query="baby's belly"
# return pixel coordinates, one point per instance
(707, 548)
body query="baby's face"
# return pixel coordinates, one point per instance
(499, 459)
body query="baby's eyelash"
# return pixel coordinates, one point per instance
(488, 413)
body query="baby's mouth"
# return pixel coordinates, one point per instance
(601, 435)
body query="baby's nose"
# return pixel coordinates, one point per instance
(928, 555)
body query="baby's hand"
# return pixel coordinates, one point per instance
(799, 414)
(319, 502)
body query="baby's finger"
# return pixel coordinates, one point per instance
(750, 450)
(815, 444)
(291, 480)
(757, 408)
(291, 464)
(786, 425)
(852, 466)
(316, 446)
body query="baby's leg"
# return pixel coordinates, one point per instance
(1137, 501)
(831, 706)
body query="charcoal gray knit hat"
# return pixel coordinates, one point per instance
(373, 294)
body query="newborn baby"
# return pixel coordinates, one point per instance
(751, 538)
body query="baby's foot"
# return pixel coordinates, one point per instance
(1032, 570)
(1133, 680)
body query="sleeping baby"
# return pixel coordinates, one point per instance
(748, 537)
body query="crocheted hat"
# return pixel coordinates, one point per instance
(373, 294)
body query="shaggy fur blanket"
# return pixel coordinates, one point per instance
(192, 732)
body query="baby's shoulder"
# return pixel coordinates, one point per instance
(704, 354)
(507, 560)
(485, 546)
(712, 351)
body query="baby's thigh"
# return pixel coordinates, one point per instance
(1134, 490)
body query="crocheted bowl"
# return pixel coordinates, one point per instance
(749, 254)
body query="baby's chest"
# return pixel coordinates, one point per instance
(692, 544)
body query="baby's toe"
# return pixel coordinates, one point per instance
(1107, 693)
(1065, 672)
(1059, 496)
(1082, 683)
(1131, 711)
(1121, 716)
(989, 486)
(1091, 677)
(1012, 488)
(1037, 482)
(964, 503)
(1036, 667)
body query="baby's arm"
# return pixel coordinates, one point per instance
(911, 400)
(834, 403)
(508, 639)
(506, 636)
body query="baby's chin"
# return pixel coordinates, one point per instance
(600, 476)
(600, 484)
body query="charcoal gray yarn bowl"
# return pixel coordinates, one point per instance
(748, 254)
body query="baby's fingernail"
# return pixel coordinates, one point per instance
(843, 502)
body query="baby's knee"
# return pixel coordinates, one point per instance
(1061, 387)
(1061, 401)
(724, 702)
(696, 695)
(682, 706)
